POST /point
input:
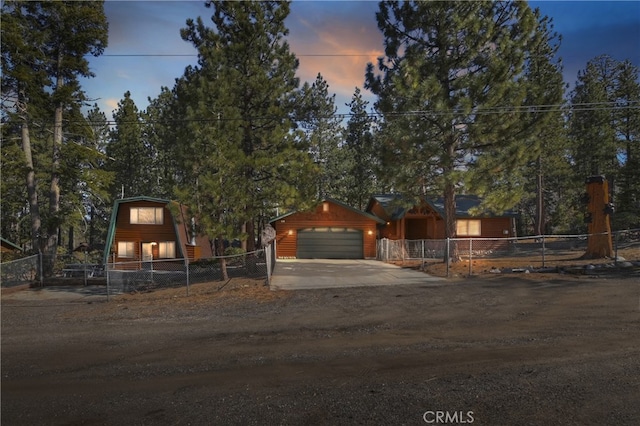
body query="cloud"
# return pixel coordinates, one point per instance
(111, 103)
(337, 40)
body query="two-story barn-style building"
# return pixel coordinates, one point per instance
(144, 229)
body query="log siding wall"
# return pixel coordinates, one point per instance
(138, 234)
(431, 226)
(336, 217)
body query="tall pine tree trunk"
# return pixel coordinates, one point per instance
(450, 221)
(539, 219)
(223, 261)
(450, 200)
(54, 196)
(32, 190)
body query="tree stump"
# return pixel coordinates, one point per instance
(598, 219)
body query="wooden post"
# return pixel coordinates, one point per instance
(599, 225)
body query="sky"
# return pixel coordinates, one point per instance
(334, 38)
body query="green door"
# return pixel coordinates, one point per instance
(330, 243)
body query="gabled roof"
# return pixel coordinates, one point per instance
(339, 203)
(464, 204)
(142, 198)
(392, 204)
(114, 215)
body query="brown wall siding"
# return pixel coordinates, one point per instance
(337, 217)
(138, 234)
(489, 228)
(379, 211)
(493, 227)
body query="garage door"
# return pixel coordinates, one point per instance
(330, 243)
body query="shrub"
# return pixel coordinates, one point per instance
(234, 251)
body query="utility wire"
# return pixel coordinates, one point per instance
(194, 55)
(528, 109)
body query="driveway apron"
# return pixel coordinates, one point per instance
(304, 274)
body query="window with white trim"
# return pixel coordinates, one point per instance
(126, 249)
(167, 249)
(146, 215)
(468, 228)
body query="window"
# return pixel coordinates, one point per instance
(468, 227)
(167, 249)
(126, 249)
(146, 215)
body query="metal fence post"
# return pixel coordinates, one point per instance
(106, 270)
(543, 252)
(615, 248)
(447, 254)
(470, 256)
(186, 267)
(387, 251)
(41, 271)
(85, 268)
(267, 256)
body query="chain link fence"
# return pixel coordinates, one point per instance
(538, 251)
(20, 271)
(125, 277)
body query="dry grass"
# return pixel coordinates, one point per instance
(213, 292)
(480, 266)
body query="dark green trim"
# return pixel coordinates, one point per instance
(114, 215)
(10, 244)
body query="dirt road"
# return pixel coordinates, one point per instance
(500, 351)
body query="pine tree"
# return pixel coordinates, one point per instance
(592, 125)
(627, 118)
(97, 179)
(240, 157)
(322, 133)
(547, 144)
(131, 155)
(360, 149)
(604, 125)
(160, 133)
(23, 100)
(450, 92)
(44, 53)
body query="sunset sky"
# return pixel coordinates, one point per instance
(334, 38)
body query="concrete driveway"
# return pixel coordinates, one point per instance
(305, 274)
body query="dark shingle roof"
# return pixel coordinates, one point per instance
(393, 205)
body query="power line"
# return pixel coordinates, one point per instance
(195, 55)
(524, 109)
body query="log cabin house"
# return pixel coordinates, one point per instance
(145, 229)
(331, 230)
(426, 221)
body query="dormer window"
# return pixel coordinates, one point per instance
(146, 215)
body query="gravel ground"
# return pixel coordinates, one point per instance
(492, 350)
